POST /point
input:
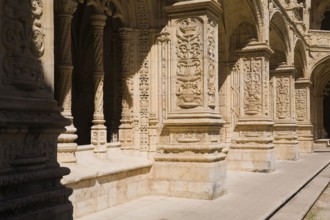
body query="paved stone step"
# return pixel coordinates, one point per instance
(299, 205)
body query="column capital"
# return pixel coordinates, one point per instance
(125, 33)
(284, 69)
(98, 20)
(66, 7)
(255, 48)
(304, 81)
(100, 6)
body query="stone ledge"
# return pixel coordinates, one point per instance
(89, 166)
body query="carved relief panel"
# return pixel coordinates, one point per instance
(282, 98)
(302, 102)
(189, 70)
(23, 39)
(252, 89)
(193, 64)
(284, 93)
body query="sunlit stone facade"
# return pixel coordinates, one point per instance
(158, 97)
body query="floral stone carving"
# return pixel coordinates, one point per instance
(189, 67)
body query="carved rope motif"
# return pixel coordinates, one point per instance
(23, 39)
(189, 68)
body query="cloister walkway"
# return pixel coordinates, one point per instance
(287, 193)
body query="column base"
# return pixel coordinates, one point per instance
(252, 149)
(251, 158)
(99, 140)
(305, 138)
(66, 147)
(285, 141)
(286, 150)
(66, 152)
(188, 179)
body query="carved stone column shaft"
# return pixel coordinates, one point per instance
(252, 147)
(98, 130)
(190, 161)
(125, 129)
(284, 113)
(303, 103)
(63, 60)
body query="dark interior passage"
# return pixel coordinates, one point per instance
(325, 24)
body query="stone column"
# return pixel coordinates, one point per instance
(64, 10)
(303, 115)
(190, 162)
(98, 130)
(252, 147)
(31, 121)
(284, 113)
(125, 128)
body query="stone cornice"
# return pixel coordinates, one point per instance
(194, 8)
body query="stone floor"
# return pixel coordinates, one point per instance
(321, 209)
(249, 196)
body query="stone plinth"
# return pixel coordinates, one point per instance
(253, 148)
(190, 162)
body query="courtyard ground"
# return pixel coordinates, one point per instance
(287, 193)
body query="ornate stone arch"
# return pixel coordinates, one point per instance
(279, 38)
(320, 79)
(300, 61)
(259, 14)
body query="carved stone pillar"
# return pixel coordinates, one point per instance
(99, 130)
(31, 121)
(303, 115)
(64, 10)
(252, 147)
(284, 113)
(125, 128)
(190, 162)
